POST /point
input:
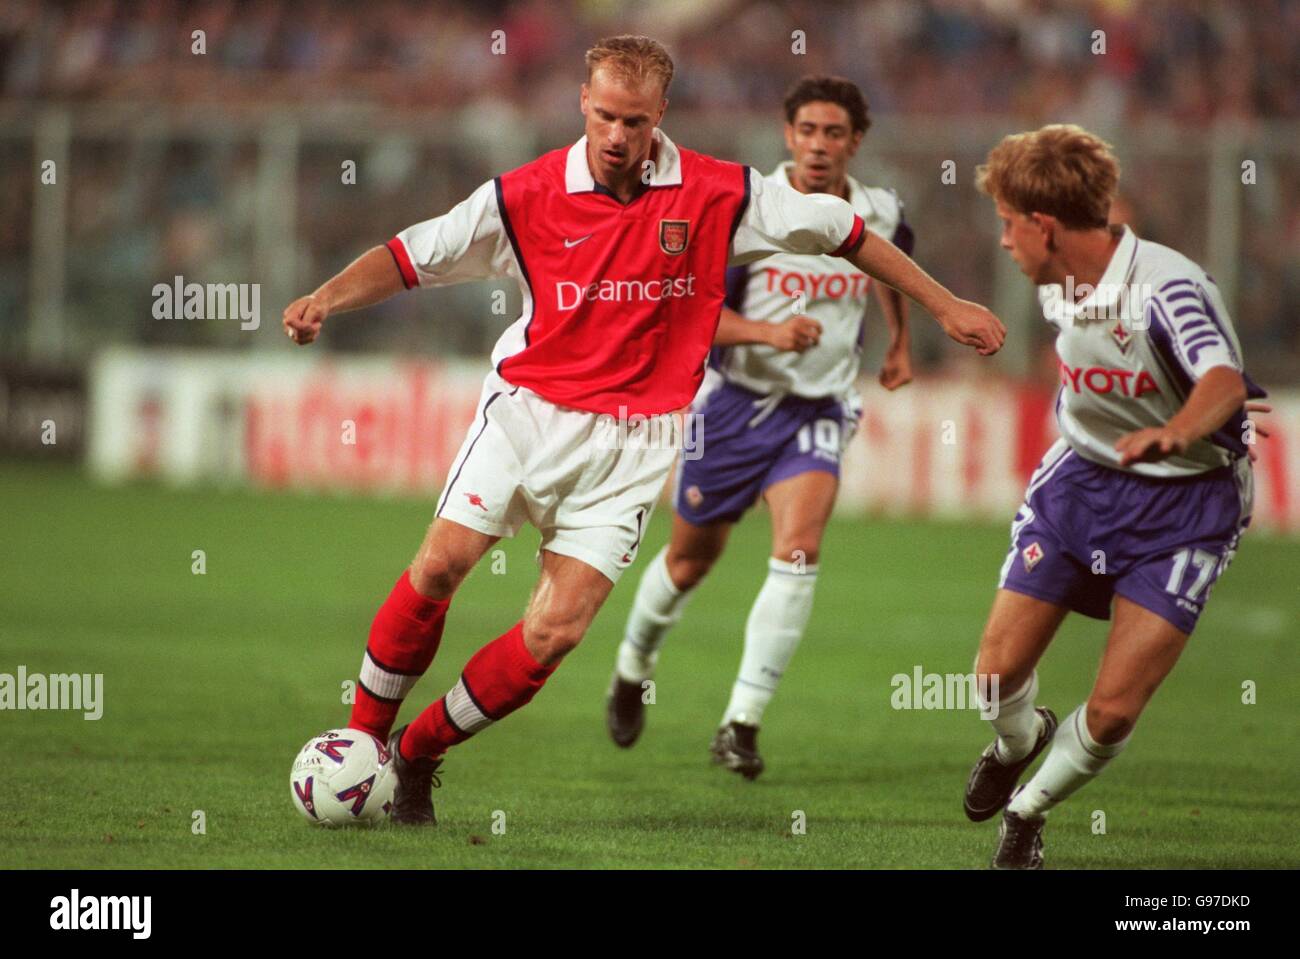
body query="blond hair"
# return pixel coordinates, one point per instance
(632, 59)
(1061, 170)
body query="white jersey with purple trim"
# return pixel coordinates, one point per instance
(1132, 349)
(829, 290)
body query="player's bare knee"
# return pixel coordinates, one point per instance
(993, 660)
(687, 571)
(437, 576)
(1109, 720)
(550, 641)
(690, 563)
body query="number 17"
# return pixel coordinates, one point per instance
(1205, 562)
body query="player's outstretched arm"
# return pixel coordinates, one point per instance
(964, 321)
(1215, 397)
(371, 278)
(795, 334)
(780, 219)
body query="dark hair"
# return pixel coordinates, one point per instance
(836, 90)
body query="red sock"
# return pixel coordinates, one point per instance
(403, 639)
(498, 679)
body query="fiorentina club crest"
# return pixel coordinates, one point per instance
(1121, 336)
(674, 235)
(694, 496)
(1031, 555)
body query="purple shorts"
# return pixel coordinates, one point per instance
(1087, 532)
(746, 445)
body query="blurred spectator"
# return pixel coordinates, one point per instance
(440, 110)
(1190, 60)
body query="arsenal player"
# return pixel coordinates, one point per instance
(619, 244)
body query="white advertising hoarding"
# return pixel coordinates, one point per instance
(385, 425)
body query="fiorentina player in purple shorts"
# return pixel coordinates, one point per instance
(781, 410)
(1136, 511)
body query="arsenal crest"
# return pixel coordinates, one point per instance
(674, 235)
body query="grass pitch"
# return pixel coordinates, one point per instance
(212, 682)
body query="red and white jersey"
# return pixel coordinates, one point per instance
(620, 302)
(1131, 351)
(833, 292)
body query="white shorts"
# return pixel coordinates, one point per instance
(586, 484)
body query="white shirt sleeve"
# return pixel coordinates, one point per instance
(885, 215)
(1194, 329)
(468, 242)
(780, 219)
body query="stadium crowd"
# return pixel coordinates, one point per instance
(147, 209)
(1187, 60)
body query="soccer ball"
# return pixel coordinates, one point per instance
(343, 777)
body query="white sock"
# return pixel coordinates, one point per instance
(1017, 724)
(1074, 759)
(657, 607)
(772, 633)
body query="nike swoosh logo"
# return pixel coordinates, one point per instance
(571, 243)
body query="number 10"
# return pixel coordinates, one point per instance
(824, 434)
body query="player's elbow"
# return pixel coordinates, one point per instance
(1231, 384)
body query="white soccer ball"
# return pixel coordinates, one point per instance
(343, 777)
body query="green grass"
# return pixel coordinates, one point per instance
(213, 682)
